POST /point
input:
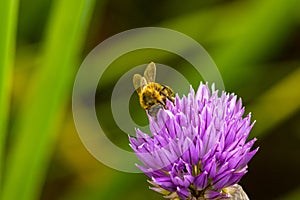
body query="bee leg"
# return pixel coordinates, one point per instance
(162, 92)
(152, 111)
(171, 98)
(161, 102)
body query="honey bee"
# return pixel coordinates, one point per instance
(152, 95)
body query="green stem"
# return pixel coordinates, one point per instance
(8, 24)
(38, 123)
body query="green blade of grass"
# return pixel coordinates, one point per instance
(38, 122)
(286, 95)
(245, 34)
(293, 195)
(8, 24)
(260, 35)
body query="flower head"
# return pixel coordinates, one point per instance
(198, 147)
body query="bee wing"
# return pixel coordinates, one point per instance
(137, 79)
(150, 72)
(143, 82)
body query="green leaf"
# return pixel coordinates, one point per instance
(8, 23)
(37, 125)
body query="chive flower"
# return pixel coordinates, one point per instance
(198, 146)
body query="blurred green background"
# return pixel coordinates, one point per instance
(255, 44)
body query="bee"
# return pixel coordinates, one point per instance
(152, 95)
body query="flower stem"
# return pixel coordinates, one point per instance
(8, 24)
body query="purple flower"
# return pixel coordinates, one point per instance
(198, 147)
